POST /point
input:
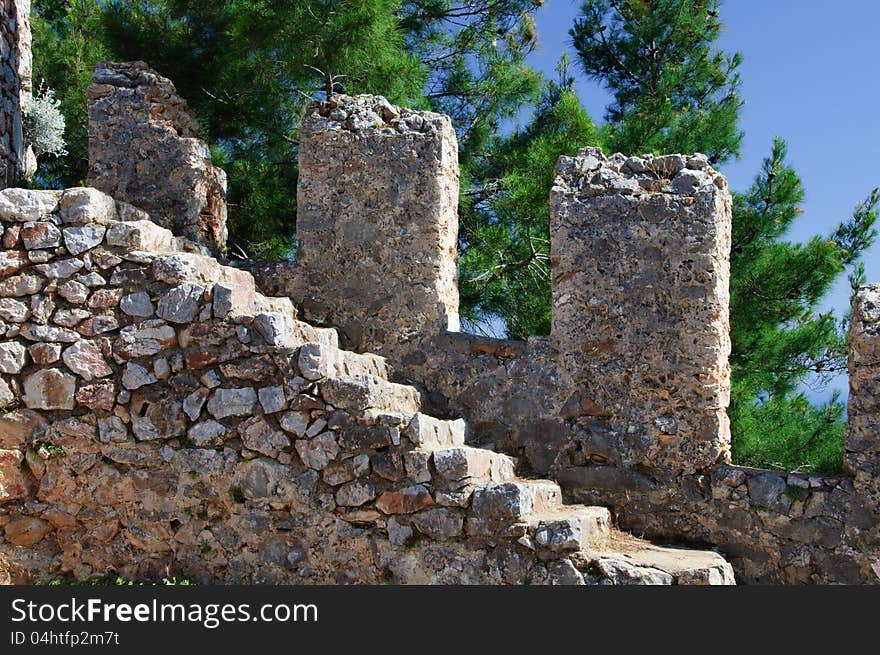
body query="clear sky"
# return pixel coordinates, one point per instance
(810, 75)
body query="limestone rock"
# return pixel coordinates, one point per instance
(12, 357)
(83, 205)
(78, 240)
(22, 205)
(85, 359)
(232, 402)
(49, 389)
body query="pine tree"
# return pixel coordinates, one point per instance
(248, 68)
(780, 340)
(68, 40)
(505, 270)
(673, 92)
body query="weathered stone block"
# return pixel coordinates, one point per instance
(363, 180)
(640, 302)
(141, 131)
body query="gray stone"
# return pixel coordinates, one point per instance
(145, 339)
(136, 376)
(140, 235)
(502, 500)
(769, 491)
(74, 292)
(317, 453)
(439, 523)
(22, 205)
(183, 267)
(564, 572)
(60, 269)
(78, 240)
(85, 359)
(398, 533)
(49, 389)
(232, 402)
(82, 205)
(207, 433)
(70, 318)
(43, 234)
(181, 304)
(193, 403)
(92, 280)
(112, 430)
(137, 304)
(621, 572)
(347, 470)
(295, 422)
(355, 494)
(12, 310)
(41, 308)
(275, 328)
(261, 437)
(272, 399)
(33, 332)
(21, 285)
(6, 395)
(12, 357)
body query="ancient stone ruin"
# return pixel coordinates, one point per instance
(15, 80)
(144, 150)
(165, 412)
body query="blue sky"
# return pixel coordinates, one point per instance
(810, 76)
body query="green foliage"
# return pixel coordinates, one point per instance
(505, 268)
(67, 43)
(673, 91)
(43, 123)
(790, 433)
(248, 68)
(779, 339)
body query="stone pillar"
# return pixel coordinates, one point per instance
(640, 263)
(15, 79)
(143, 149)
(862, 457)
(377, 222)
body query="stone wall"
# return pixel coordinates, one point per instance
(161, 417)
(144, 150)
(640, 263)
(624, 404)
(863, 436)
(373, 173)
(15, 80)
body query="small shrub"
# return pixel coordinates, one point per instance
(44, 124)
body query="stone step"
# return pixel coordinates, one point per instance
(429, 433)
(463, 464)
(282, 330)
(273, 305)
(570, 528)
(505, 501)
(323, 360)
(646, 563)
(367, 393)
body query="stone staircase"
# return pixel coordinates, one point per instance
(409, 480)
(500, 506)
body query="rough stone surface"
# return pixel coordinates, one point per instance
(49, 389)
(237, 444)
(407, 197)
(16, 158)
(140, 132)
(610, 353)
